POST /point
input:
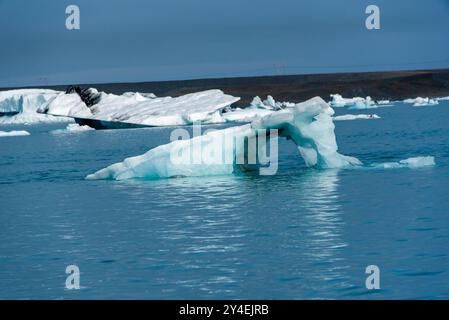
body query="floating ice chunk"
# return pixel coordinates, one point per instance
(269, 104)
(257, 109)
(421, 102)
(442, 99)
(337, 101)
(20, 106)
(346, 117)
(14, 133)
(143, 109)
(415, 162)
(308, 124)
(356, 102)
(73, 128)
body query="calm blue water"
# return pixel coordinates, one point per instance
(303, 233)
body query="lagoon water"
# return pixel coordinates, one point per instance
(301, 234)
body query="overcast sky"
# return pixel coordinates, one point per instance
(124, 41)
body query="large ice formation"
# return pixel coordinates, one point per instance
(144, 109)
(308, 124)
(20, 106)
(134, 108)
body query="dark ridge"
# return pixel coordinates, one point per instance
(392, 85)
(89, 97)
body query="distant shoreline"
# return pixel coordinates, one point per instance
(391, 85)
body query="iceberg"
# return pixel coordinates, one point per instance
(308, 124)
(20, 106)
(338, 101)
(422, 102)
(143, 109)
(91, 107)
(269, 104)
(14, 133)
(347, 117)
(356, 103)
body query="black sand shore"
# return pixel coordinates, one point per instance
(394, 85)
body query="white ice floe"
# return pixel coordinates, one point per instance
(415, 162)
(14, 133)
(357, 102)
(269, 104)
(347, 117)
(257, 109)
(442, 99)
(308, 124)
(421, 102)
(20, 106)
(73, 128)
(145, 109)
